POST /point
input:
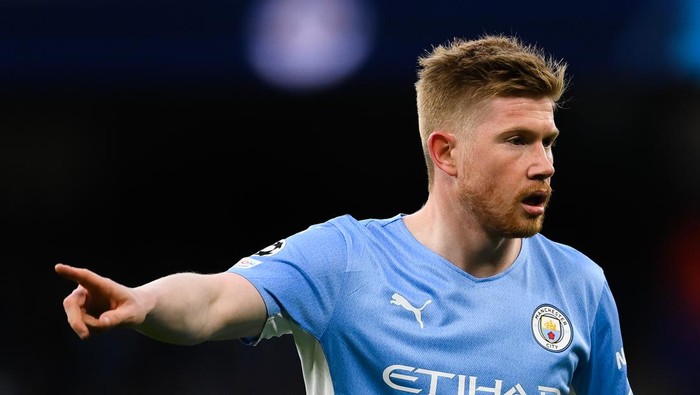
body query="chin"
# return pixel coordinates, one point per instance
(523, 229)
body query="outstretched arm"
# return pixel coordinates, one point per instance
(183, 308)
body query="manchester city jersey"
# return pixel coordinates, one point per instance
(374, 311)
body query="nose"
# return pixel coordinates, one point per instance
(542, 165)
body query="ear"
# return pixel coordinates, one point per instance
(441, 146)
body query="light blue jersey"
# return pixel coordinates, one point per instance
(373, 311)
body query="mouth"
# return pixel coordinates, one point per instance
(535, 202)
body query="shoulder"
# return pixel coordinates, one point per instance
(347, 221)
(564, 257)
(580, 281)
(350, 227)
(341, 232)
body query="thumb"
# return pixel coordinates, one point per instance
(107, 320)
(114, 318)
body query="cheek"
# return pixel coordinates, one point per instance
(484, 176)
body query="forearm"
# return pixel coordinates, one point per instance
(189, 308)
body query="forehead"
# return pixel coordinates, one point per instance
(504, 113)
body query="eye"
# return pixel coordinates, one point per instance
(517, 140)
(549, 143)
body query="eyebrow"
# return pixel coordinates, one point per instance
(554, 133)
(549, 134)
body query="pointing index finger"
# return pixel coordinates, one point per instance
(79, 275)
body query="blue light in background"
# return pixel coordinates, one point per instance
(686, 43)
(309, 44)
(316, 44)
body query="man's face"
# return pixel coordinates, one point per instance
(507, 165)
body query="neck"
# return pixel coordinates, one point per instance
(460, 240)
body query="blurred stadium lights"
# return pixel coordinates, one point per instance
(686, 45)
(678, 317)
(308, 44)
(660, 43)
(302, 45)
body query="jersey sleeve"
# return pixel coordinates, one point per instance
(605, 372)
(299, 279)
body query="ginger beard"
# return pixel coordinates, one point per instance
(500, 212)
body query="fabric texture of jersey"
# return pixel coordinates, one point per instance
(373, 311)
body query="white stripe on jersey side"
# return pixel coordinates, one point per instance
(314, 366)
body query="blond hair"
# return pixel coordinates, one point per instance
(455, 77)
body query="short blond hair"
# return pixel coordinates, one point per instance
(455, 77)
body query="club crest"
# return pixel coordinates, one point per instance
(551, 328)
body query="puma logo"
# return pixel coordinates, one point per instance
(418, 312)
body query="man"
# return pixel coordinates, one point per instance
(463, 296)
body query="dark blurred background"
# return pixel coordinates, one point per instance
(144, 138)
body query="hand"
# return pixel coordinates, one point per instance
(98, 304)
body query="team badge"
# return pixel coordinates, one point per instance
(247, 263)
(551, 328)
(272, 249)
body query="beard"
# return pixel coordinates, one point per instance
(500, 214)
